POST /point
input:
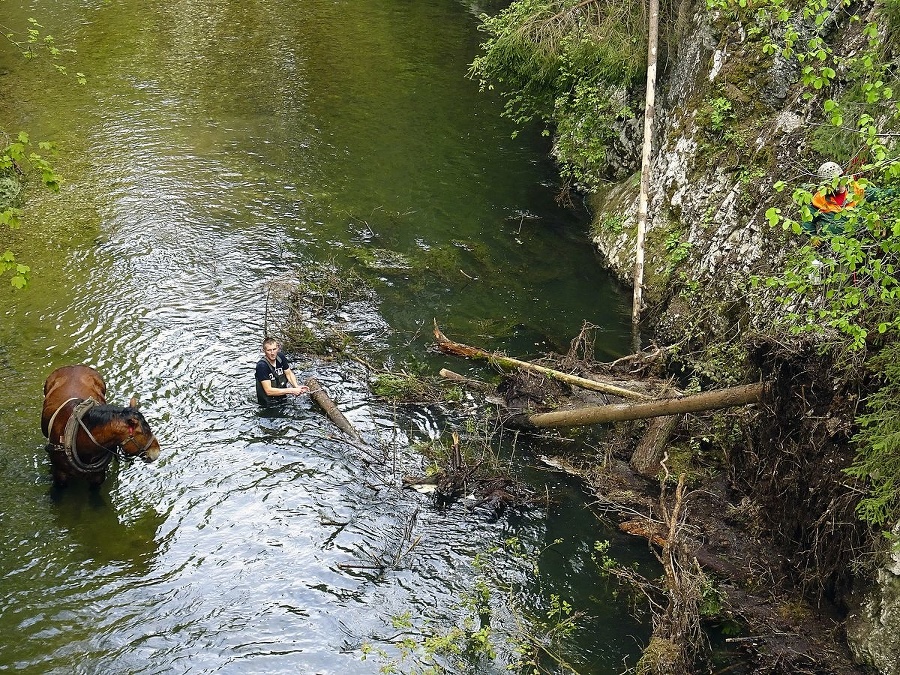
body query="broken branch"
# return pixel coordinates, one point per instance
(449, 347)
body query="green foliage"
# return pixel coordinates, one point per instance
(891, 9)
(16, 159)
(19, 160)
(716, 114)
(32, 43)
(843, 285)
(848, 281)
(677, 250)
(612, 224)
(565, 63)
(878, 442)
(407, 387)
(712, 600)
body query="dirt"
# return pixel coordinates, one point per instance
(780, 631)
(774, 527)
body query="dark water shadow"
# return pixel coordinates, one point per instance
(103, 532)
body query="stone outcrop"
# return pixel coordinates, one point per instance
(873, 628)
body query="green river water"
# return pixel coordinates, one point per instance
(219, 145)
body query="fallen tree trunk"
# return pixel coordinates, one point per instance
(646, 457)
(323, 400)
(449, 347)
(710, 400)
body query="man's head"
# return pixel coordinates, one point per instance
(829, 171)
(827, 174)
(270, 348)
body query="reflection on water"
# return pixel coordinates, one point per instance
(218, 147)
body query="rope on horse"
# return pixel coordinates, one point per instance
(67, 444)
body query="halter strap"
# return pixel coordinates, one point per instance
(142, 451)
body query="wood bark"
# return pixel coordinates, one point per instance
(644, 198)
(449, 347)
(711, 400)
(323, 400)
(646, 457)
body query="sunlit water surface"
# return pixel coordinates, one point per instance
(218, 146)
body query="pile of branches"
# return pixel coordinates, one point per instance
(304, 307)
(478, 482)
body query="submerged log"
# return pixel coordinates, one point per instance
(449, 347)
(710, 400)
(323, 400)
(475, 385)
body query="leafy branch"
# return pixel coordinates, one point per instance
(19, 159)
(32, 43)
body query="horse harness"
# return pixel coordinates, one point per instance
(66, 443)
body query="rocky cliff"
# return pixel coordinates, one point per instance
(731, 121)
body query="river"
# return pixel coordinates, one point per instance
(218, 146)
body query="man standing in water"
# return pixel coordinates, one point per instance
(274, 377)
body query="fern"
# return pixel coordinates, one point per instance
(878, 443)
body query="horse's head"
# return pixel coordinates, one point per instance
(141, 442)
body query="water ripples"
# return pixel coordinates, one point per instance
(261, 540)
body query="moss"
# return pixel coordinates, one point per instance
(300, 338)
(444, 263)
(381, 259)
(403, 387)
(398, 387)
(660, 656)
(659, 265)
(796, 612)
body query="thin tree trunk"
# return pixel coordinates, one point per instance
(643, 203)
(457, 349)
(710, 400)
(323, 400)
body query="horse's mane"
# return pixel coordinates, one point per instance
(102, 414)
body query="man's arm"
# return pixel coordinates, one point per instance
(275, 391)
(289, 374)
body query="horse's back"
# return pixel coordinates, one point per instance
(67, 383)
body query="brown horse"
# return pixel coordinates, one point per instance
(85, 433)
